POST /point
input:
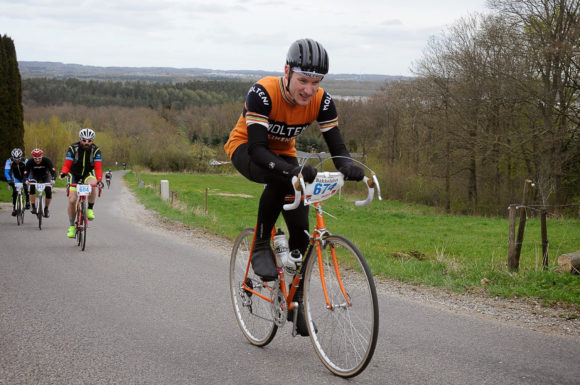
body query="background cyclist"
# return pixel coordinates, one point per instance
(40, 169)
(14, 169)
(83, 163)
(108, 177)
(262, 148)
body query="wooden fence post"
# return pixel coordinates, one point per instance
(206, 194)
(514, 258)
(512, 211)
(544, 240)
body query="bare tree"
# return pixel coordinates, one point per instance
(550, 30)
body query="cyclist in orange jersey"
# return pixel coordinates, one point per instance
(262, 147)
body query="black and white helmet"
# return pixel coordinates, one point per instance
(16, 153)
(86, 134)
(308, 57)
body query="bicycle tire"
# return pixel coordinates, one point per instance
(78, 236)
(84, 222)
(19, 210)
(344, 336)
(253, 314)
(78, 225)
(39, 212)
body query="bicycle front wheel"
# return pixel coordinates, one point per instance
(254, 314)
(84, 224)
(341, 307)
(79, 224)
(19, 210)
(40, 211)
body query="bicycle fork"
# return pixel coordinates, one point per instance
(319, 242)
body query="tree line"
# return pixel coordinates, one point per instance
(494, 101)
(96, 93)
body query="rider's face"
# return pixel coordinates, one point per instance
(86, 143)
(301, 88)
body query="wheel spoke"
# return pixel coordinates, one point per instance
(253, 313)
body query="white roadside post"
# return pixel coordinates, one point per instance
(165, 190)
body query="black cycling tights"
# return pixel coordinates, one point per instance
(277, 187)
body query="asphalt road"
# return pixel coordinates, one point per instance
(139, 307)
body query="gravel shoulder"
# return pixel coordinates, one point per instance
(525, 313)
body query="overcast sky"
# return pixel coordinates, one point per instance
(361, 36)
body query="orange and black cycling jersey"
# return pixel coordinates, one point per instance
(268, 104)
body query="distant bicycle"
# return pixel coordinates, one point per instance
(40, 199)
(20, 207)
(81, 220)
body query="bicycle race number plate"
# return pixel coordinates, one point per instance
(325, 185)
(83, 189)
(18, 186)
(40, 187)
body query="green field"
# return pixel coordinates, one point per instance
(411, 243)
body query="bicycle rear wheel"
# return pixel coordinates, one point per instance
(345, 333)
(254, 314)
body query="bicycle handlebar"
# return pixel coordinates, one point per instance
(371, 183)
(39, 184)
(337, 180)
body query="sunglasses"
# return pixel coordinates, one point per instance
(87, 141)
(38, 158)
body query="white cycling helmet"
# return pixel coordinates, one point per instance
(86, 134)
(16, 153)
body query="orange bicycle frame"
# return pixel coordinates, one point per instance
(316, 242)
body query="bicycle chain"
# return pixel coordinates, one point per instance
(279, 307)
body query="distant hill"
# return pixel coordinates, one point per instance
(337, 84)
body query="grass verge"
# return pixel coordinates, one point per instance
(411, 243)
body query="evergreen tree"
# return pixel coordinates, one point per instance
(11, 111)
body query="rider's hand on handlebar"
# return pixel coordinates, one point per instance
(308, 172)
(62, 175)
(352, 172)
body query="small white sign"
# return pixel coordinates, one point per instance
(324, 186)
(83, 189)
